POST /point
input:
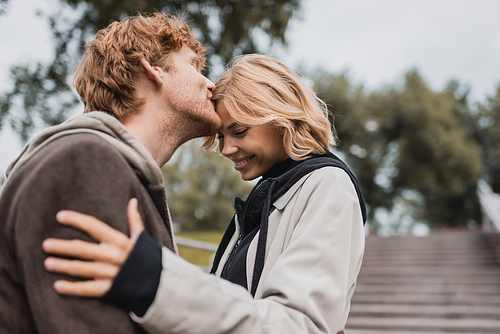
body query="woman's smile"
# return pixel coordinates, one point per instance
(240, 164)
(252, 149)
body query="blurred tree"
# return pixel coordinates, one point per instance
(200, 187)
(483, 126)
(226, 27)
(3, 6)
(489, 138)
(363, 124)
(436, 158)
(408, 144)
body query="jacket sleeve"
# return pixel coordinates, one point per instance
(308, 290)
(77, 172)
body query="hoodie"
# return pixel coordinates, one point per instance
(108, 128)
(90, 164)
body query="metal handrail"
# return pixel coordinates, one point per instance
(490, 206)
(203, 245)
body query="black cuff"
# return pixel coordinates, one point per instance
(134, 288)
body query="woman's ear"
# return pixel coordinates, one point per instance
(153, 72)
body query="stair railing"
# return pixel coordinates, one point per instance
(490, 207)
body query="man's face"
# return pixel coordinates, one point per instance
(188, 94)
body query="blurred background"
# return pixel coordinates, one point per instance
(413, 86)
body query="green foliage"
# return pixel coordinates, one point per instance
(485, 127)
(436, 159)
(482, 126)
(364, 136)
(200, 187)
(407, 144)
(227, 27)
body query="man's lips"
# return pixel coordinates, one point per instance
(209, 100)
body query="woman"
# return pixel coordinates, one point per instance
(290, 256)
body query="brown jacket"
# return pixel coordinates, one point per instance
(79, 170)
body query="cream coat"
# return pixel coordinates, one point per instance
(314, 250)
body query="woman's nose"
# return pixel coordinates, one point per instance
(227, 147)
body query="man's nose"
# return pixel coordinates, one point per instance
(210, 84)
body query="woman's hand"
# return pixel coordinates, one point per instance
(102, 261)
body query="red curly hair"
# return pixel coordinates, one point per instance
(105, 78)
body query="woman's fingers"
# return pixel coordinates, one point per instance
(104, 259)
(84, 250)
(76, 268)
(92, 226)
(134, 219)
(94, 288)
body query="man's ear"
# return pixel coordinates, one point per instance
(153, 72)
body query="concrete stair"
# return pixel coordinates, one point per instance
(448, 282)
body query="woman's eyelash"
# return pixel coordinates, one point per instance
(238, 133)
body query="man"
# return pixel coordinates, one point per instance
(144, 96)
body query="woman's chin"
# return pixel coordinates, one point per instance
(247, 176)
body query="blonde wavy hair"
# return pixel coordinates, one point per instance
(258, 89)
(105, 77)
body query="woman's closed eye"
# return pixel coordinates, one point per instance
(238, 132)
(241, 132)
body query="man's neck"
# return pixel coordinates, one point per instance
(152, 135)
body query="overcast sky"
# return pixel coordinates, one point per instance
(376, 41)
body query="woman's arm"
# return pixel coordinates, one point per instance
(307, 291)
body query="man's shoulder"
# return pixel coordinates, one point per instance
(79, 141)
(76, 152)
(80, 165)
(77, 147)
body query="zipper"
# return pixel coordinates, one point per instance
(229, 261)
